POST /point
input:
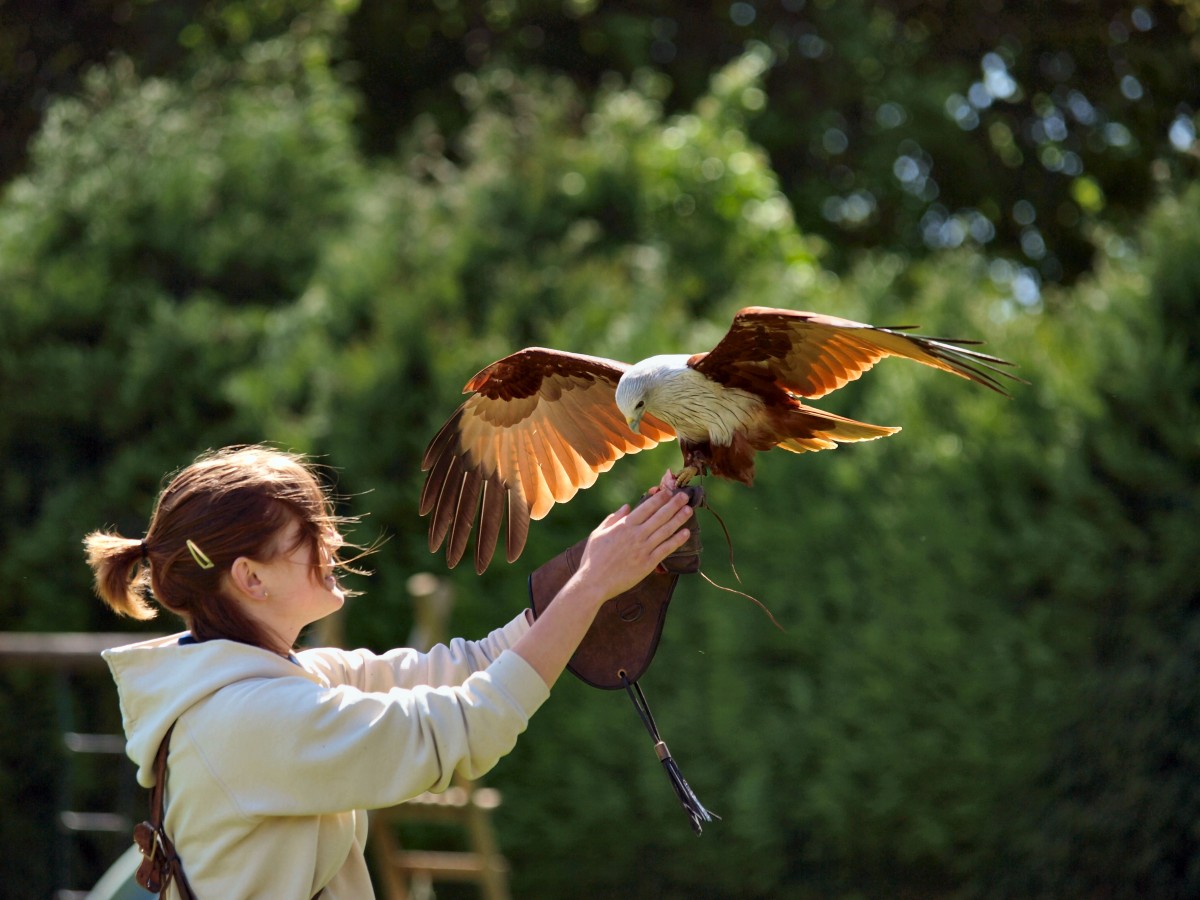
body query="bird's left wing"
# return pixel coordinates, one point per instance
(539, 426)
(809, 354)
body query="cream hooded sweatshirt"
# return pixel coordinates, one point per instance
(273, 762)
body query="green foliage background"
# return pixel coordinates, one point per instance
(984, 685)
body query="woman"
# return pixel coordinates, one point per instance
(276, 754)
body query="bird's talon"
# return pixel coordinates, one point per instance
(686, 474)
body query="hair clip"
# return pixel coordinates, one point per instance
(199, 556)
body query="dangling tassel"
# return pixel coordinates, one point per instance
(687, 797)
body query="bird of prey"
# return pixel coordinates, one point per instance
(542, 424)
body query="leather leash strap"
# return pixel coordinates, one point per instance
(160, 863)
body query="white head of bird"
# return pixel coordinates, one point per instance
(641, 384)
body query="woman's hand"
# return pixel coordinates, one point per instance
(630, 543)
(624, 549)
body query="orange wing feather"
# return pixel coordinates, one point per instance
(539, 426)
(810, 355)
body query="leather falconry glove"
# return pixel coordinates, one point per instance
(619, 646)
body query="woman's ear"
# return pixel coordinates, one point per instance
(246, 579)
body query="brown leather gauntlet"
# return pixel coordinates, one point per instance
(620, 644)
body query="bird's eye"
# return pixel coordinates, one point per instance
(640, 404)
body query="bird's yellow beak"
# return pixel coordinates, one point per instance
(634, 422)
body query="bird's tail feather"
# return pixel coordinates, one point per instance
(809, 429)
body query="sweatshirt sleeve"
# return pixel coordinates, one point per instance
(445, 664)
(289, 746)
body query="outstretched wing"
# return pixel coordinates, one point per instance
(809, 354)
(539, 426)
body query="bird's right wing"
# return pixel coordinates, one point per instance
(539, 426)
(810, 354)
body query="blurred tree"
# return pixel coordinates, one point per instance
(910, 125)
(159, 223)
(1119, 795)
(47, 49)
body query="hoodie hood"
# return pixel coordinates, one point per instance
(161, 679)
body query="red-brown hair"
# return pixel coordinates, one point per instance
(228, 503)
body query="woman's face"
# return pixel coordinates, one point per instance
(301, 589)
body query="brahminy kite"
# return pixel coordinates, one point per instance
(542, 424)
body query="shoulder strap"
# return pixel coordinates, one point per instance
(160, 863)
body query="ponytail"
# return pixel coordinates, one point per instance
(122, 572)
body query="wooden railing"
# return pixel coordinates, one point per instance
(69, 657)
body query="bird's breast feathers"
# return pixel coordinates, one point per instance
(700, 409)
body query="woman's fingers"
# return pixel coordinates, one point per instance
(671, 536)
(664, 532)
(656, 502)
(675, 533)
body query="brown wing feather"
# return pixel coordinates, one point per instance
(491, 515)
(539, 426)
(516, 532)
(464, 512)
(809, 354)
